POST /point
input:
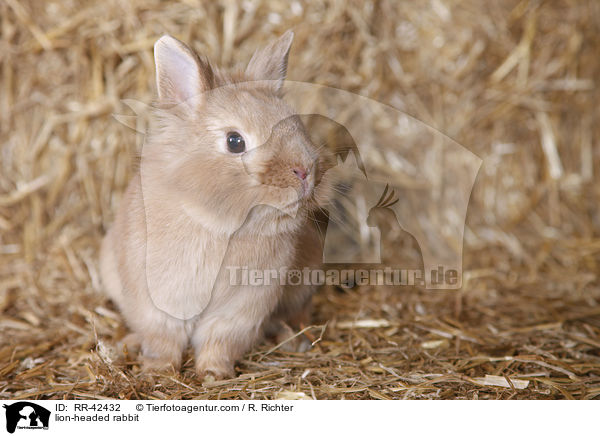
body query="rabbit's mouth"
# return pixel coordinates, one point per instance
(305, 190)
(298, 207)
(291, 210)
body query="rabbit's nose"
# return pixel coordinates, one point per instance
(300, 172)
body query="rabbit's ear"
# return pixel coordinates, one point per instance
(270, 62)
(180, 74)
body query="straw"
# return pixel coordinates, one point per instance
(513, 81)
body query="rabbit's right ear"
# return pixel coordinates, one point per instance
(180, 74)
(270, 63)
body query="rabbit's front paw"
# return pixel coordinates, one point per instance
(212, 360)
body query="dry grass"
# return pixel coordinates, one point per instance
(514, 81)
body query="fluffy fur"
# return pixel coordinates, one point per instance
(194, 209)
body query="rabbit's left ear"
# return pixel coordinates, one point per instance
(180, 74)
(270, 62)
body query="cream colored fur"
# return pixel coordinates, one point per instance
(194, 208)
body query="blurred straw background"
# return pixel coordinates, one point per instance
(514, 81)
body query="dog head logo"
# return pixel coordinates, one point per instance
(26, 415)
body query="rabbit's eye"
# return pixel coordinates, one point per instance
(235, 142)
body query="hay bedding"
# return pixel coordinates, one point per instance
(514, 81)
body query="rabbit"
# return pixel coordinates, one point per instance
(228, 178)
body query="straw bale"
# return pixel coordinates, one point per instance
(514, 81)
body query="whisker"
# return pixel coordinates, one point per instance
(339, 219)
(317, 222)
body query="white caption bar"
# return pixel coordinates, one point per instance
(41, 418)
